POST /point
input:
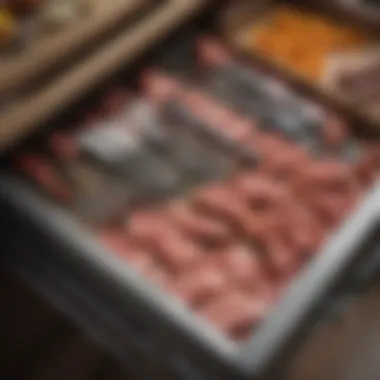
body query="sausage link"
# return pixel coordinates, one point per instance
(147, 226)
(235, 313)
(201, 284)
(221, 202)
(280, 259)
(303, 231)
(335, 131)
(272, 143)
(176, 252)
(221, 120)
(328, 176)
(158, 87)
(243, 266)
(324, 181)
(197, 226)
(154, 230)
(282, 162)
(332, 208)
(262, 194)
(330, 189)
(141, 262)
(258, 227)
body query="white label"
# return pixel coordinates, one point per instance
(110, 142)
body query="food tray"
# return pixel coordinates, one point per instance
(113, 294)
(240, 18)
(20, 117)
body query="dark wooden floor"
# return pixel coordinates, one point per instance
(39, 344)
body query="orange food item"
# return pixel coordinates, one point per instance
(301, 41)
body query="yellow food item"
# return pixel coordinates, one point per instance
(301, 41)
(8, 27)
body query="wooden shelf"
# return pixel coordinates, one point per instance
(25, 115)
(17, 69)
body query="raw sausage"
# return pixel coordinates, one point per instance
(281, 160)
(200, 285)
(281, 260)
(199, 227)
(210, 53)
(329, 175)
(243, 266)
(147, 226)
(261, 194)
(335, 132)
(158, 87)
(235, 313)
(176, 252)
(219, 119)
(220, 201)
(302, 231)
(332, 208)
